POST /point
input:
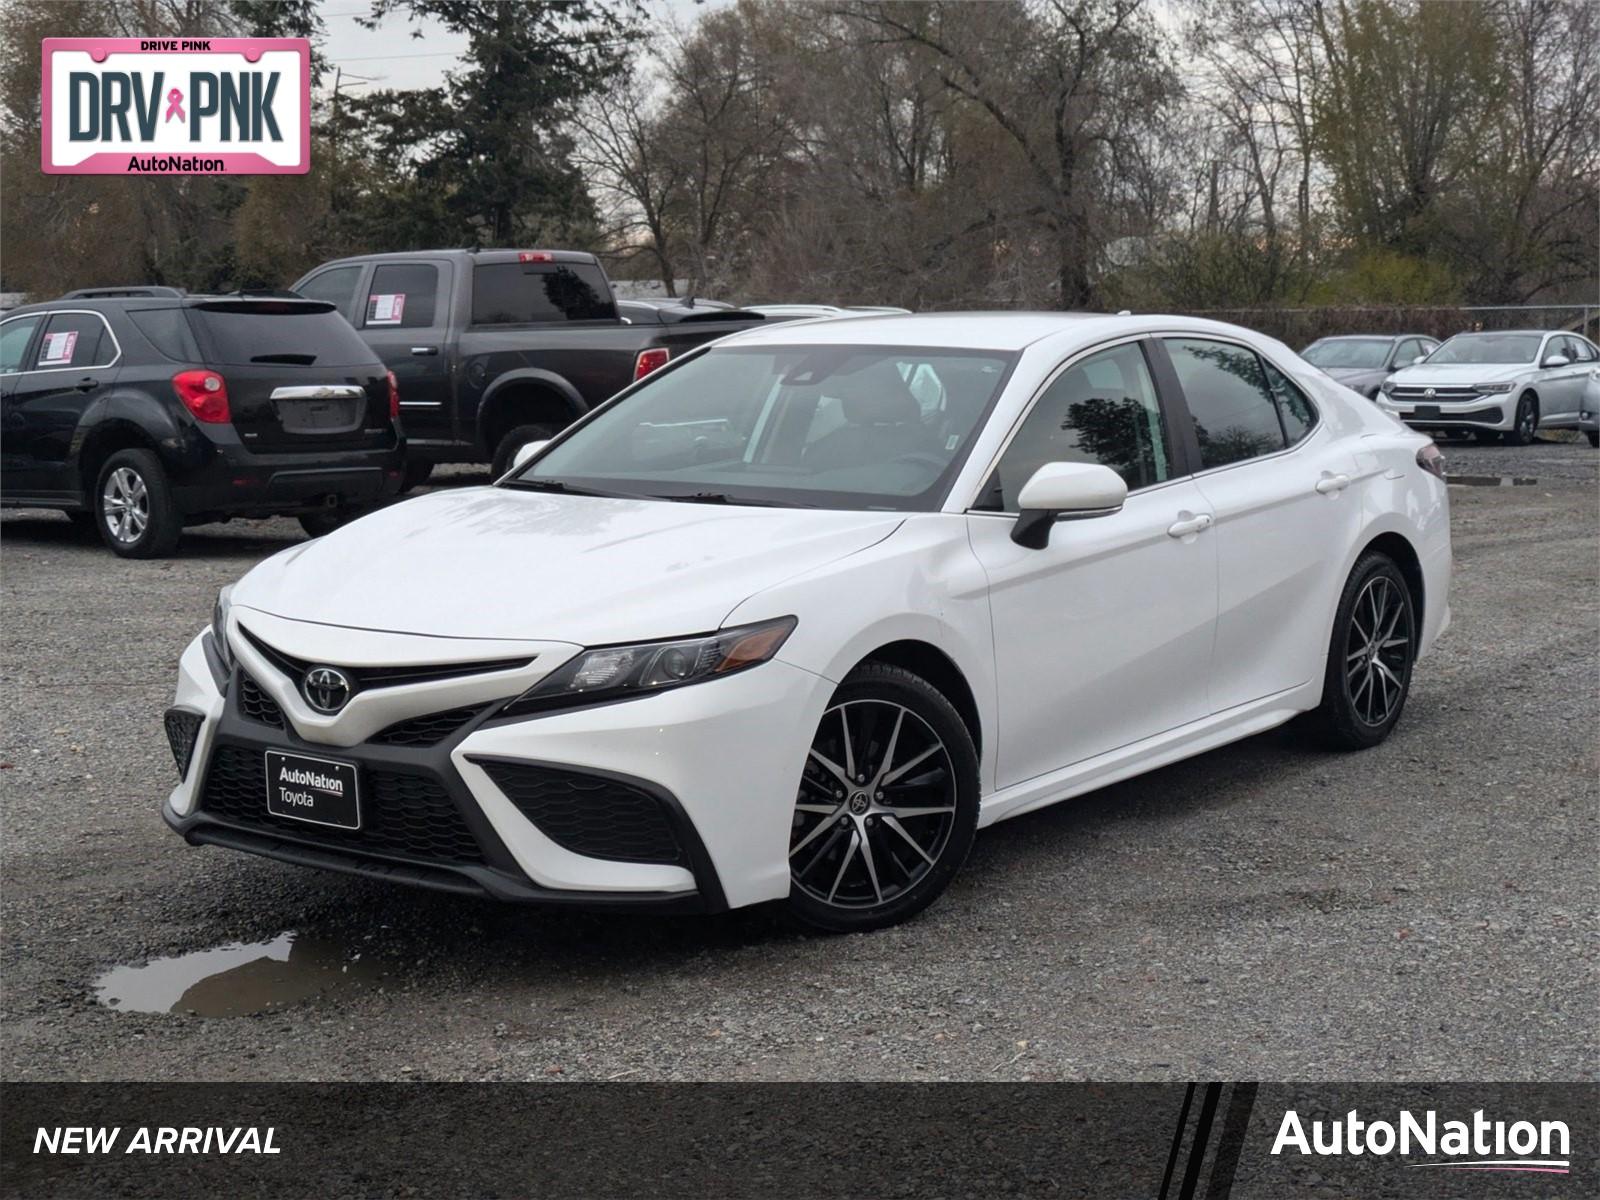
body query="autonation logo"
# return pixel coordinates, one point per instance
(1476, 1145)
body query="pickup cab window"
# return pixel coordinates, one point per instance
(402, 296)
(539, 293)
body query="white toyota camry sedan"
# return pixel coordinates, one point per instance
(791, 619)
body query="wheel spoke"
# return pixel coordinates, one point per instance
(826, 810)
(844, 864)
(872, 866)
(849, 751)
(821, 828)
(831, 767)
(893, 822)
(822, 852)
(894, 740)
(900, 771)
(924, 811)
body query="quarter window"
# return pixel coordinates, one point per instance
(14, 335)
(1298, 414)
(73, 340)
(402, 296)
(1101, 410)
(1235, 412)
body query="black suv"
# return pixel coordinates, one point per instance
(141, 410)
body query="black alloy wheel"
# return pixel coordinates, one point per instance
(1370, 656)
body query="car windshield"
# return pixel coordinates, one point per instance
(827, 426)
(1487, 348)
(1351, 353)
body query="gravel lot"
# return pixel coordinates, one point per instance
(1427, 910)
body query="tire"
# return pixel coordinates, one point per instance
(1527, 423)
(326, 520)
(1362, 695)
(134, 511)
(894, 720)
(1594, 438)
(515, 440)
(416, 474)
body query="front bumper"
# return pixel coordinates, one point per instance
(716, 762)
(1484, 412)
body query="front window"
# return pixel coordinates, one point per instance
(871, 427)
(14, 337)
(1353, 354)
(1469, 348)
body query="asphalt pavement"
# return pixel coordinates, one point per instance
(1426, 910)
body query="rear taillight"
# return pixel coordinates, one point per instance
(204, 393)
(394, 397)
(535, 256)
(1431, 461)
(650, 360)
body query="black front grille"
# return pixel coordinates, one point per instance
(1416, 393)
(403, 814)
(588, 814)
(427, 730)
(183, 729)
(373, 677)
(256, 705)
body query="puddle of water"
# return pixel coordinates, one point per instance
(1491, 480)
(233, 980)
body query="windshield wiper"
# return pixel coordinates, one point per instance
(565, 489)
(725, 498)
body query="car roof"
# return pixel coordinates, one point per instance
(460, 255)
(968, 330)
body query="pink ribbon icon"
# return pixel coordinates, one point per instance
(175, 105)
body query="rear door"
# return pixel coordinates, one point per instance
(68, 367)
(404, 315)
(299, 378)
(1287, 502)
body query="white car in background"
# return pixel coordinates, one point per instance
(770, 626)
(1504, 386)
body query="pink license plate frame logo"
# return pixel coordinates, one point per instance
(176, 106)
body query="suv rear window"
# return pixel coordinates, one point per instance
(532, 293)
(268, 332)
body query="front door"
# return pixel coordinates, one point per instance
(68, 368)
(404, 317)
(1103, 637)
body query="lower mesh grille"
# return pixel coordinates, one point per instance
(183, 729)
(256, 705)
(589, 815)
(427, 730)
(404, 814)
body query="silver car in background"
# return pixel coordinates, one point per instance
(1363, 361)
(1497, 385)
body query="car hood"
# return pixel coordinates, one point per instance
(492, 562)
(1357, 377)
(1424, 374)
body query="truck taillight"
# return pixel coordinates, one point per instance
(1431, 460)
(394, 397)
(650, 360)
(535, 256)
(205, 394)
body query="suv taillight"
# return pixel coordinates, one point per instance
(1431, 460)
(204, 393)
(394, 397)
(650, 360)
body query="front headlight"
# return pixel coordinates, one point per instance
(1386, 387)
(219, 628)
(1490, 389)
(623, 672)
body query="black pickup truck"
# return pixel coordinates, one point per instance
(495, 348)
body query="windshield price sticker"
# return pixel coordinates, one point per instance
(171, 106)
(386, 309)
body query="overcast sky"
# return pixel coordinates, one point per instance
(391, 57)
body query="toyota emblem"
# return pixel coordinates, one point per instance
(326, 689)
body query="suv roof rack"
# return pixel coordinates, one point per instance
(121, 293)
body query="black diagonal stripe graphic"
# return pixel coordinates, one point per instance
(1202, 1135)
(1177, 1140)
(1241, 1100)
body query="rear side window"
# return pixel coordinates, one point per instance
(1298, 414)
(402, 296)
(1235, 413)
(530, 293)
(14, 335)
(168, 331)
(74, 340)
(337, 286)
(278, 333)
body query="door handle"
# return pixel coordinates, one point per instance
(86, 384)
(1330, 484)
(1195, 524)
(424, 351)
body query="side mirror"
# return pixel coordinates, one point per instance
(1419, 358)
(526, 451)
(1067, 491)
(1556, 360)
